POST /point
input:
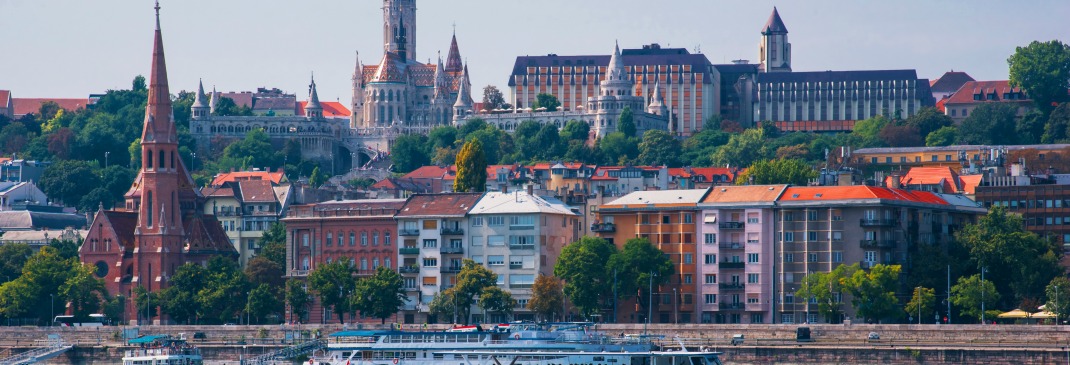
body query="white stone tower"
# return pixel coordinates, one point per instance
(356, 118)
(200, 107)
(464, 103)
(313, 110)
(775, 51)
(399, 28)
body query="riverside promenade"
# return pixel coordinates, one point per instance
(764, 344)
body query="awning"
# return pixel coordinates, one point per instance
(1017, 313)
(1042, 315)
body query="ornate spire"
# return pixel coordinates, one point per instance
(774, 24)
(313, 109)
(615, 70)
(464, 95)
(657, 106)
(358, 70)
(453, 59)
(441, 85)
(158, 125)
(213, 101)
(200, 100)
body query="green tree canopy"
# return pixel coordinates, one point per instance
(225, 293)
(547, 297)
(380, 295)
(582, 265)
(990, 123)
(618, 148)
(945, 136)
(626, 122)
(1058, 297)
(264, 301)
(659, 148)
(260, 270)
(333, 283)
(928, 120)
(473, 280)
(273, 244)
(12, 257)
(492, 98)
(576, 130)
(638, 265)
(471, 168)
(68, 181)
(789, 171)
(1042, 69)
(742, 149)
(866, 132)
(494, 300)
(823, 287)
(298, 299)
(968, 293)
(180, 300)
(84, 291)
(409, 152)
(547, 101)
(873, 291)
(921, 303)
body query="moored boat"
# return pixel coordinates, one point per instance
(162, 350)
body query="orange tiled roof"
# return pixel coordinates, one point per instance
(830, 193)
(449, 204)
(275, 177)
(432, 172)
(23, 106)
(965, 93)
(743, 194)
(951, 181)
(970, 183)
(940, 105)
(5, 96)
(331, 109)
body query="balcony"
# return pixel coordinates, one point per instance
(518, 246)
(413, 269)
(450, 269)
(730, 265)
(298, 272)
(878, 222)
(520, 286)
(516, 266)
(877, 243)
(731, 306)
(604, 227)
(451, 250)
(408, 232)
(408, 250)
(731, 246)
(521, 227)
(732, 225)
(575, 200)
(732, 286)
(446, 231)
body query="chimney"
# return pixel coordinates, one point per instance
(505, 188)
(531, 190)
(846, 178)
(896, 181)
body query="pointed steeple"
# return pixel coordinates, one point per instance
(453, 59)
(313, 109)
(441, 84)
(657, 106)
(214, 101)
(200, 102)
(464, 94)
(158, 125)
(615, 70)
(358, 71)
(774, 24)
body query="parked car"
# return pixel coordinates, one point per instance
(737, 339)
(873, 336)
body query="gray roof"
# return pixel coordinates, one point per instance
(518, 203)
(25, 220)
(956, 148)
(631, 57)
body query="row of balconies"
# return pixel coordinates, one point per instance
(878, 222)
(732, 225)
(878, 243)
(603, 227)
(445, 231)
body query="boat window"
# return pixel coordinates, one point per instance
(697, 360)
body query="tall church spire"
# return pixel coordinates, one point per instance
(200, 103)
(453, 59)
(775, 51)
(313, 109)
(158, 125)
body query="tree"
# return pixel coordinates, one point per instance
(68, 181)
(146, 303)
(17, 299)
(576, 130)
(1057, 128)
(791, 171)
(333, 283)
(618, 148)
(990, 123)
(12, 257)
(582, 265)
(547, 297)
(1042, 69)
(261, 270)
(442, 137)
(901, 136)
(84, 292)
(1019, 263)
(298, 300)
(14, 137)
(921, 303)
(497, 301)
(945, 136)
(658, 148)
(928, 120)
(626, 122)
(493, 140)
(822, 289)
(409, 152)
(273, 244)
(380, 295)
(866, 132)
(742, 149)
(473, 280)
(227, 107)
(873, 292)
(317, 178)
(1058, 297)
(225, 293)
(263, 302)
(700, 147)
(44, 274)
(968, 293)
(254, 150)
(492, 98)
(471, 168)
(547, 101)
(67, 249)
(638, 266)
(180, 300)
(444, 304)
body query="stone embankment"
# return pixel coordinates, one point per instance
(764, 344)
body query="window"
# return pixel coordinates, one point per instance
(837, 256)
(752, 278)
(430, 281)
(711, 278)
(477, 240)
(430, 224)
(870, 256)
(430, 243)
(947, 157)
(711, 298)
(522, 220)
(688, 218)
(811, 257)
(837, 236)
(430, 262)
(789, 298)
(496, 260)
(712, 259)
(789, 236)
(789, 257)
(495, 240)
(477, 221)
(494, 221)
(752, 258)
(363, 238)
(752, 217)
(687, 278)
(811, 236)
(665, 219)
(521, 240)
(812, 214)
(375, 238)
(516, 262)
(386, 238)
(340, 238)
(330, 239)
(688, 258)
(710, 238)
(352, 239)
(521, 281)
(364, 264)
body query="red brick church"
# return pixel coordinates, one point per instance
(161, 226)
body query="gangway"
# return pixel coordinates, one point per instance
(287, 353)
(54, 347)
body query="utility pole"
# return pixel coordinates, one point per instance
(615, 295)
(650, 303)
(983, 269)
(948, 297)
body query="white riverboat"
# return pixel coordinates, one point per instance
(162, 350)
(516, 343)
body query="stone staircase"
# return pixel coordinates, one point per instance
(53, 347)
(287, 353)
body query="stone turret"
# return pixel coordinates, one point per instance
(775, 51)
(313, 110)
(357, 116)
(657, 105)
(463, 106)
(200, 108)
(617, 82)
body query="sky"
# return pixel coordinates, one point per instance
(71, 48)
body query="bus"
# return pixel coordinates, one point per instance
(94, 320)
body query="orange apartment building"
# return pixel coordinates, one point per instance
(667, 219)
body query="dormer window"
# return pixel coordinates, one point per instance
(977, 96)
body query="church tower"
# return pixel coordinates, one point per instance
(158, 234)
(617, 82)
(463, 106)
(399, 28)
(313, 109)
(357, 116)
(200, 107)
(657, 104)
(775, 51)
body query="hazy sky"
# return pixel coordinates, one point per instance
(71, 48)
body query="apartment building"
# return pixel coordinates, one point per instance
(432, 232)
(362, 232)
(246, 208)
(667, 219)
(518, 236)
(736, 253)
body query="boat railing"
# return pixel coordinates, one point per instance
(163, 351)
(346, 339)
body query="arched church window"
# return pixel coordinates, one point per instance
(162, 161)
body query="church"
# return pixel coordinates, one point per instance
(160, 226)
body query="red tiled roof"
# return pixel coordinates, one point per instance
(449, 204)
(940, 104)
(950, 180)
(275, 177)
(386, 184)
(240, 99)
(965, 93)
(5, 98)
(331, 109)
(970, 183)
(830, 193)
(218, 192)
(432, 172)
(256, 191)
(23, 106)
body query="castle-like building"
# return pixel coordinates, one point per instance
(160, 226)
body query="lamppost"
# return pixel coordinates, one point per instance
(53, 307)
(1057, 305)
(983, 270)
(106, 153)
(650, 302)
(675, 307)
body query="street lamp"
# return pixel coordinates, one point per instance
(53, 307)
(1057, 305)
(983, 270)
(106, 153)
(675, 307)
